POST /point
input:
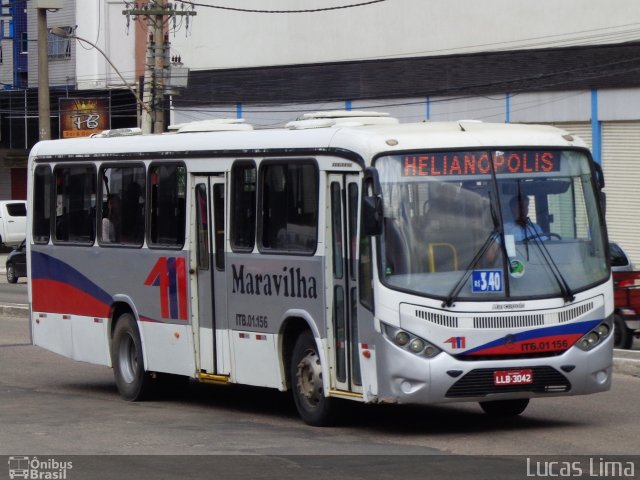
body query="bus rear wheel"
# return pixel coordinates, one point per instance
(505, 408)
(307, 383)
(126, 357)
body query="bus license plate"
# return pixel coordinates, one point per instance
(512, 377)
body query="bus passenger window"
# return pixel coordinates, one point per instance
(243, 206)
(75, 204)
(289, 207)
(167, 209)
(111, 221)
(123, 201)
(42, 204)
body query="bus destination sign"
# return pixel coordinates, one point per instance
(478, 163)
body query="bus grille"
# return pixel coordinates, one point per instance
(438, 318)
(479, 383)
(512, 321)
(501, 321)
(569, 314)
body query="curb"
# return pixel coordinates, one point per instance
(14, 310)
(627, 362)
(626, 366)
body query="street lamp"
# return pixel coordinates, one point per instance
(61, 32)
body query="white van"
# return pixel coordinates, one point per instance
(13, 221)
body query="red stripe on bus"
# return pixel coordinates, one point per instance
(181, 272)
(56, 297)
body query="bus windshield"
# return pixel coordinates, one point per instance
(491, 225)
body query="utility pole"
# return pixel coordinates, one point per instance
(44, 106)
(157, 14)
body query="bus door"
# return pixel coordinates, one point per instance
(209, 247)
(344, 202)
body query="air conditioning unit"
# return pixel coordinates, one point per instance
(48, 4)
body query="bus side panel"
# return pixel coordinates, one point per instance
(90, 340)
(69, 311)
(74, 287)
(256, 359)
(262, 290)
(367, 353)
(53, 333)
(168, 348)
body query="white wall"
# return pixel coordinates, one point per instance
(102, 23)
(395, 28)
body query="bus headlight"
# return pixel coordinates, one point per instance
(402, 338)
(595, 336)
(416, 345)
(409, 342)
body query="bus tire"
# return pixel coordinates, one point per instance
(505, 408)
(126, 357)
(307, 383)
(622, 336)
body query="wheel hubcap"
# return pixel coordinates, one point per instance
(309, 379)
(128, 359)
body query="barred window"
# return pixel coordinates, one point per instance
(60, 47)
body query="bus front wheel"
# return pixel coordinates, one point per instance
(622, 336)
(126, 357)
(505, 408)
(307, 383)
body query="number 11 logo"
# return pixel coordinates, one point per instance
(169, 273)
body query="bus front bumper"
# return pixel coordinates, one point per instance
(407, 378)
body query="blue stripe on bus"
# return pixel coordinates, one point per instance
(568, 329)
(47, 267)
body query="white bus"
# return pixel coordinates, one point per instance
(346, 256)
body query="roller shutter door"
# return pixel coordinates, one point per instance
(621, 165)
(581, 129)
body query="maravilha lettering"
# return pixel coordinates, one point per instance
(290, 283)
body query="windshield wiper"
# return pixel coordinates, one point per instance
(532, 234)
(453, 295)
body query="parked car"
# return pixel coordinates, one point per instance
(17, 263)
(13, 221)
(626, 291)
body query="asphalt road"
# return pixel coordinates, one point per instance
(59, 409)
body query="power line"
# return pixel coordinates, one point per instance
(313, 10)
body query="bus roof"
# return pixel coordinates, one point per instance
(366, 140)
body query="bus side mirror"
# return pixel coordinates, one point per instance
(372, 215)
(603, 202)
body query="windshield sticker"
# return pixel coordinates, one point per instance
(470, 163)
(516, 268)
(486, 281)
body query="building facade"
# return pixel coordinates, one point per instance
(76, 71)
